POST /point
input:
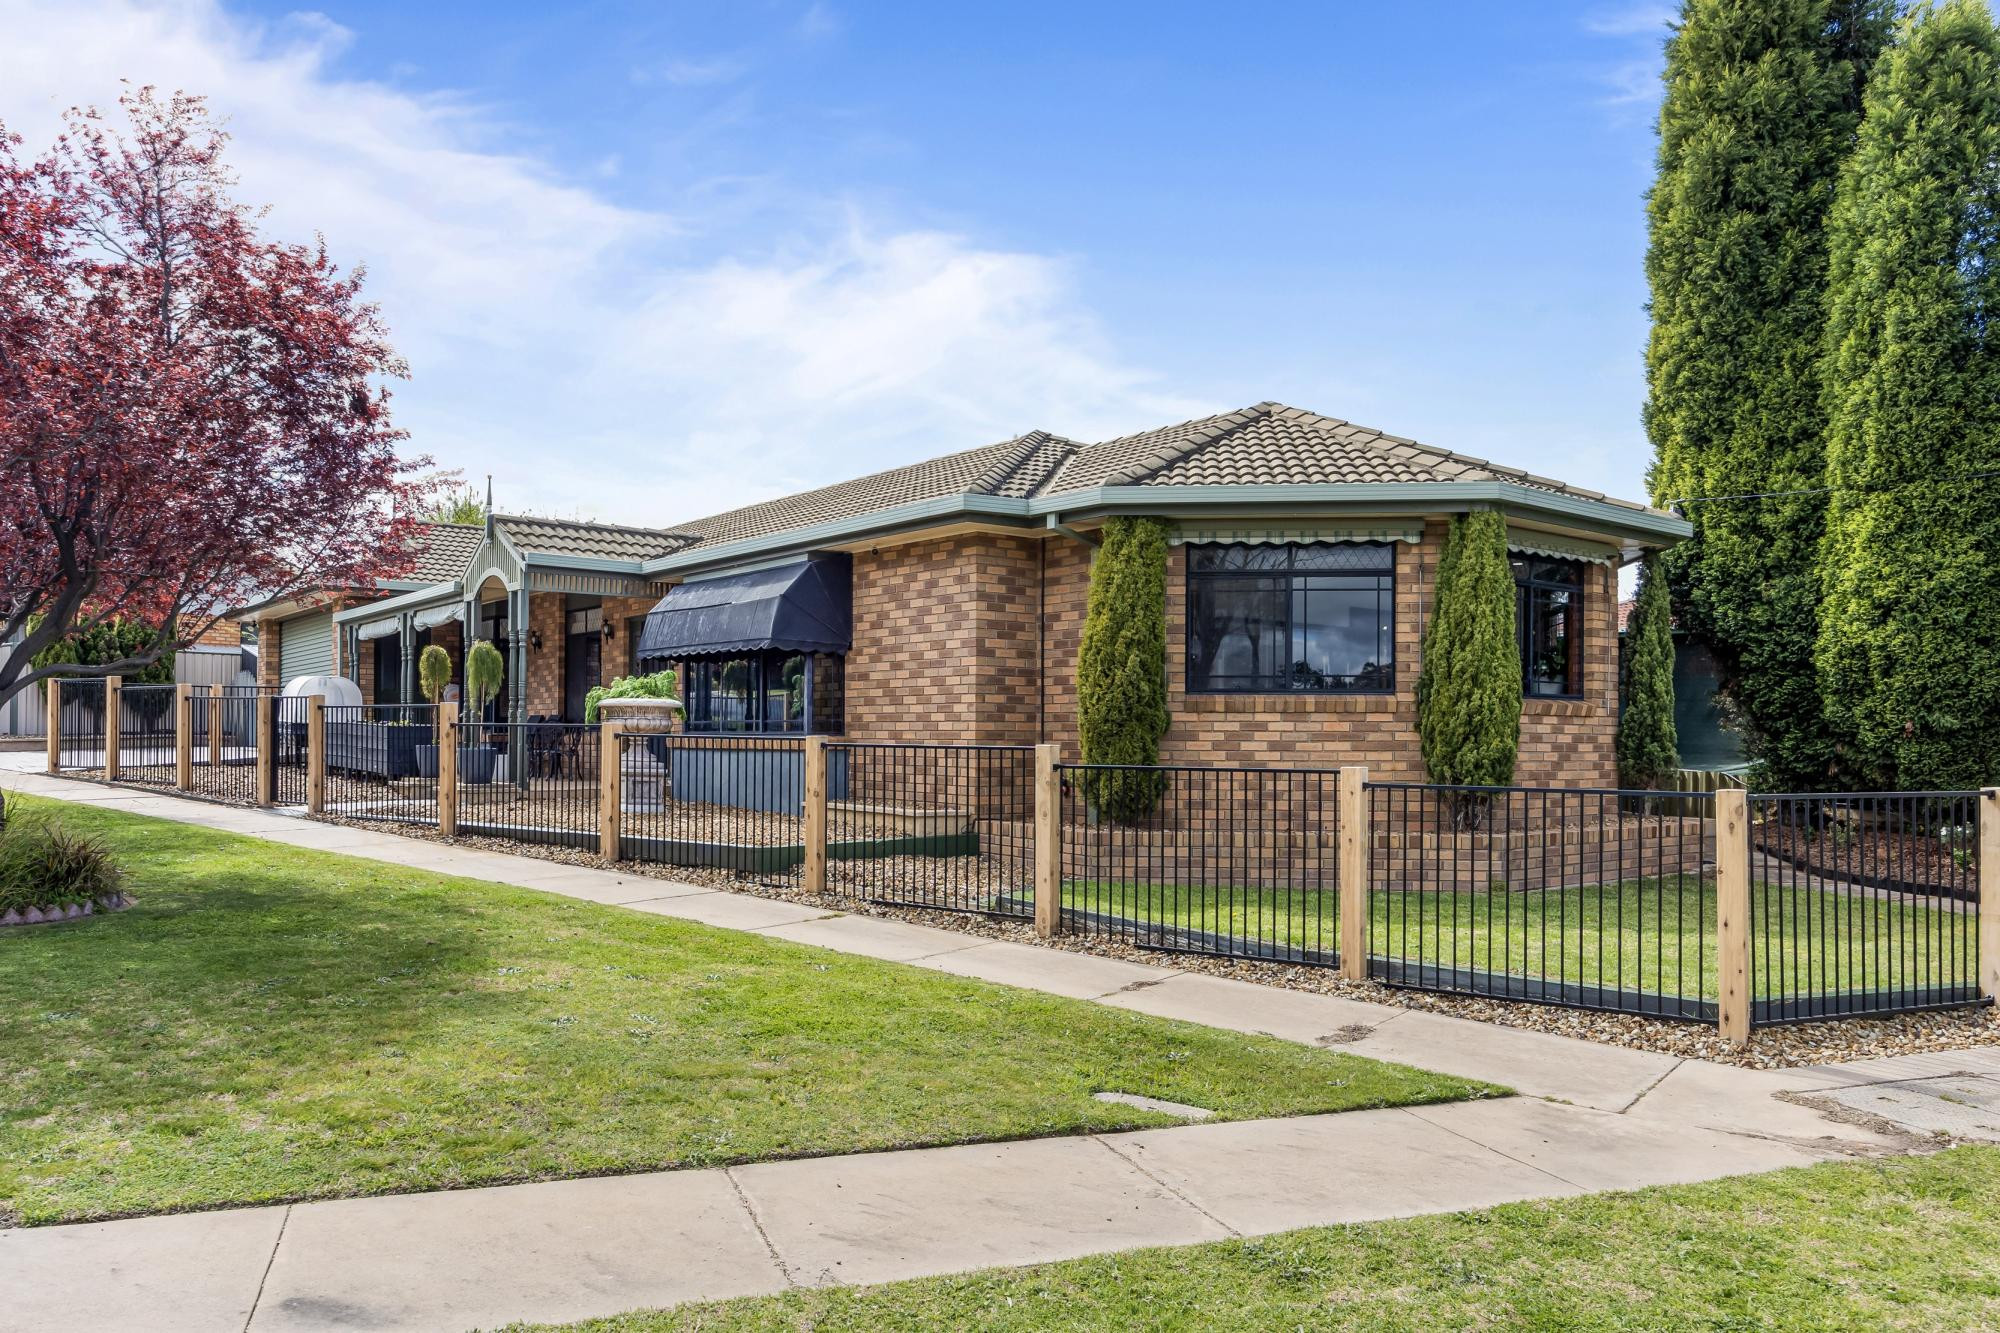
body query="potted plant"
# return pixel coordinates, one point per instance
(433, 679)
(484, 669)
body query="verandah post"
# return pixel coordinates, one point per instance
(815, 814)
(1351, 870)
(52, 697)
(1732, 914)
(610, 790)
(315, 754)
(267, 748)
(113, 688)
(1989, 893)
(1048, 841)
(184, 736)
(447, 789)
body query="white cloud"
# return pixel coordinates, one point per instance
(1639, 20)
(593, 356)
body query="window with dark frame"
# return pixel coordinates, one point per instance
(1548, 626)
(1310, 617)
(770, 691)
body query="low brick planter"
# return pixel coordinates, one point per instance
(43, 916)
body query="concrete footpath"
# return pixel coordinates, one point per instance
(1590, 1118)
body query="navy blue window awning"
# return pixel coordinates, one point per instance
(805, 607)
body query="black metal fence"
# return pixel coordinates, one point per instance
(146, 734)
(225, 742)
(79, 724)
(1235, 862)
(1863, 904)
(531, 782)
(943, 826)
(1586, 898)
(290, 725)
(714, 802)
(382, 762)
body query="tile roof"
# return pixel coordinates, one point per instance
(1016, 467)
(604, 541)
(444, 551)
(1269, 444)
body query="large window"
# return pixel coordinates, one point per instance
(1548, 622)
(765, 692)
(1270, 618)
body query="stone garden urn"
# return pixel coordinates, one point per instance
(643, 770)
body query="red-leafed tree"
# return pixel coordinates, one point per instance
(191, 416)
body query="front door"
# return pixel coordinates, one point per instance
(581, 658)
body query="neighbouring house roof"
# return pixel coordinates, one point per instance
(561, 536)
(445, 550)
(1269, 444)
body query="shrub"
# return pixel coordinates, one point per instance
(1121, 667)
(433, 672)
(1469, 687)
(484, 670)
(44, 864)
(659, 685)
(1648, 747)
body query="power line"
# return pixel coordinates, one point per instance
(1680, 504)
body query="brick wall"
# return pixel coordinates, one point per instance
(945, 642)
(545, 666)
(945, 647)
(268, 637)
(221, 634)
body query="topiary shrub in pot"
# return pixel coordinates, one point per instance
(484, 671)
(433, 679)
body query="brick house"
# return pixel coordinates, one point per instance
(295, 635)
(944, 600)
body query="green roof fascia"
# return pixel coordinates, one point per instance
(431, 594)
(1650, 527)
(1600, 516)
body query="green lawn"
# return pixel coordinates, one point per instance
(1909, 1244)
(1645, 934)
(272, 1024)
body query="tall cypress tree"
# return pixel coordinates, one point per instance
(1469, 684)
(1910, 631)
(1648, 744)
(1121, 668)
(1762, 103)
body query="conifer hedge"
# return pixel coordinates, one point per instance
(1761, 105)
(1469, 687)
(1121, 668)
(1909, 636)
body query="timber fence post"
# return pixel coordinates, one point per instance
(184, 736)
(114, 688)
(1732, 914)
(1351, 819)
(1048, 841)
(267, 748)
(52, 697)
(447, 768)
(815, 814)
(316, 754)
(610, 790)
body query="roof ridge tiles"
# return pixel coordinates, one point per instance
(1221, 427)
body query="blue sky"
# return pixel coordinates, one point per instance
(650, 260)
